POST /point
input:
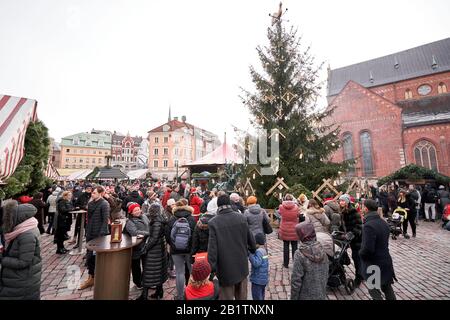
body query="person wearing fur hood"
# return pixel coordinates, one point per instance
(317, 217)
(21, 263)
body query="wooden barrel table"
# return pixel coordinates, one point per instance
(112, 267)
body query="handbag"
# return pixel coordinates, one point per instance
(267, 228)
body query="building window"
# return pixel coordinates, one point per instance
(94, 152)
(176, 151)
(425, 155)
(67, 150)
(166, 151)
(88, 143)
(66, 166)
(81, 160)
(81, 151)
(366, 150)
(166, 163)
(76, 141)
(101, 143)
(100, 152)
(156, 140)
(93, 160)
(68, 159)
(155, 151)
(176, 163)
(442, 88)
(166, 139)
(155, 163)
(347, 146)
(408, 94)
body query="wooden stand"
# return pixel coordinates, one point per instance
(112, 267)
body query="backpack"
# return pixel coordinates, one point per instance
(181, 234)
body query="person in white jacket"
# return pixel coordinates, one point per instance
(51, 202)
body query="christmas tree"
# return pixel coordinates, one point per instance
(285, 99)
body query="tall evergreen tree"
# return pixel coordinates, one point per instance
(285, 98)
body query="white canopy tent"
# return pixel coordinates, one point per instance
(79, 175)
(137, 174)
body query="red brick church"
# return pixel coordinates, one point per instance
(394, 110)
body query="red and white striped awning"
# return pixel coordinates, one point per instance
(51, 171)
(15, 115)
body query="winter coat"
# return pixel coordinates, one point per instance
(407, 204)
(64, 219)
(201, 235)
(375, 248)
(40, 206)
(138, 226)
(332, 211)
(310, 272)
(392, 201)
(97, 219)
(20, 272)
(352, 223)
(237, 206)
(326, 240)
(155, 266)
(383, 198)
(83, 201)
(166, 197)
(196, 203)
(180, 212)
(229, 241)
(430, 196)
(255, 216)
(289, 213)
(175, 196)
(115, 205)
(260, 267)
(52, 202)
(206, 292)
(318, 218)
(133, 197)
(444, 198)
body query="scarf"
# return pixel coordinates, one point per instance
(23, 227)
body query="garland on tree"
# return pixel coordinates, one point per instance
(29, 176)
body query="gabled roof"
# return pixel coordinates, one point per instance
(408, 64)
(430, 110)
(222, 155)
(173, 125)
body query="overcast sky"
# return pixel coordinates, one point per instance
(118, 65)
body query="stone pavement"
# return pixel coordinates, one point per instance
(421, 264)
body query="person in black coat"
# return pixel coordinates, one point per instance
(406, 202)
(200, 236)
(155, 266)
(181, 258)
(64, 220)
(383, 200)
(40, 206)
(82, 203)
(97, 226)
(375, 252)
(230, 239)
(352, 223)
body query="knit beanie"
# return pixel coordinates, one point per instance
(201, 270)
(132, 206)
(251, 200)
(345, 197)
(171, 202)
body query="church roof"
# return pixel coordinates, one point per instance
(431, 110)
(424, 60)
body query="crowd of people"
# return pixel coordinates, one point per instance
(212, 243)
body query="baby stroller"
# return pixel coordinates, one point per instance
(395, 222)
(336, 275)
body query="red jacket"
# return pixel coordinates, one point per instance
(166, 197)
(289, 219)
(196, 203)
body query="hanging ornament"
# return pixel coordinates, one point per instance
(288, 96)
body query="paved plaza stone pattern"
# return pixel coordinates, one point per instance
(421, 264)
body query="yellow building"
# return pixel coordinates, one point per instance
(85, 150)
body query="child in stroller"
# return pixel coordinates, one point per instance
(336, 275)
(395, 222)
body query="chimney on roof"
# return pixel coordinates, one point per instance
(396, 64)
(170, 113)
(434, 63)
(183, 118)
(371, 76)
